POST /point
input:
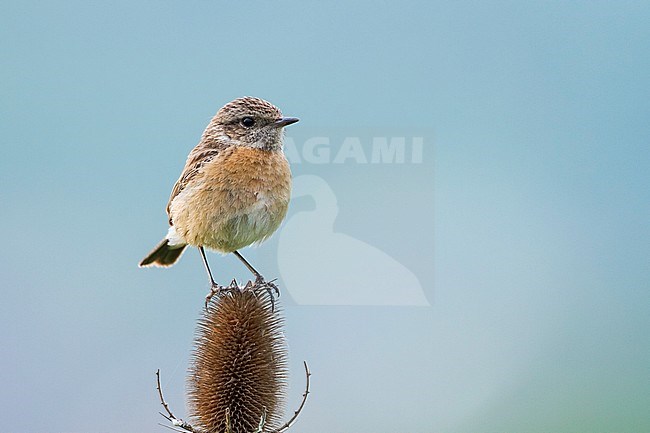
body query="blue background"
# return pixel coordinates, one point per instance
(526, 223)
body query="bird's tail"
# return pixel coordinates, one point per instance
(163, 255)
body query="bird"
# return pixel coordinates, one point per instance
(234, 190)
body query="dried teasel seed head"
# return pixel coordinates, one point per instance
(239, 364)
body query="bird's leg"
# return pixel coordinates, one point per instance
(259, 279)
(207, 267)
(215, 288)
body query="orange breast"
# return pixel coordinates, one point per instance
(239, 198)
(246, 169)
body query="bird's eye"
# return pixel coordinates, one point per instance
(248, 122)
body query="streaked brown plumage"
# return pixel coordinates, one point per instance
(235, 188)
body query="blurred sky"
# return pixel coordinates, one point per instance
(524, 224)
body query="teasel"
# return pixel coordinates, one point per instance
(238, 373)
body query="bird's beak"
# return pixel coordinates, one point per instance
(284, 121)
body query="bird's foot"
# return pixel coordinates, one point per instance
(268, 285)
(270, 288)
(218, 289)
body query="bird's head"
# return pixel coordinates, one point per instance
(251, 122)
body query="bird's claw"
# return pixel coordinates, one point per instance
(217, 289)
(269, 286)
(271, 289)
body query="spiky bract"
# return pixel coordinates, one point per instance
(239, 364)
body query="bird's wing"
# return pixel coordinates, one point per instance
(195, 160)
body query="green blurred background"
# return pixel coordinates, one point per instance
(524, 226)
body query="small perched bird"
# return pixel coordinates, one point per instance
(235, 188)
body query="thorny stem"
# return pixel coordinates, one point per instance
(171, 418)
(302, 404)
(185, 427)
